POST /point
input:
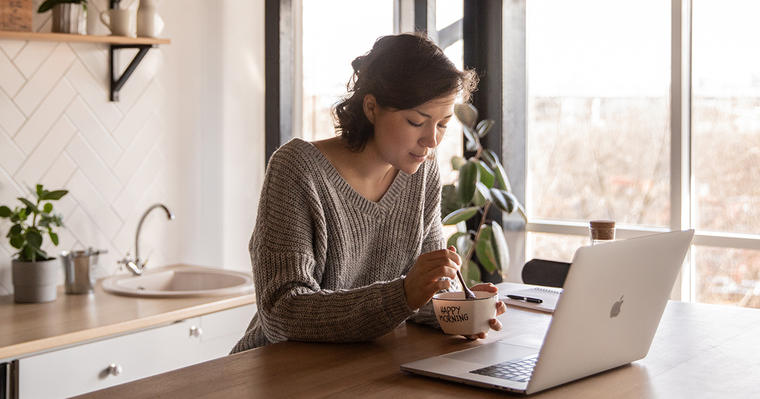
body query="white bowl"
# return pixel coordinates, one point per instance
(458, 315)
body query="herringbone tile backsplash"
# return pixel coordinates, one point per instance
(58, 128)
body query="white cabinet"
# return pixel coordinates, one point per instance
(222, 330)
(117, 360)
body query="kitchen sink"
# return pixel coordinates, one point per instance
(180, 281)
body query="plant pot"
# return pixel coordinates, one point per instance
(35, 282)
(69, 18)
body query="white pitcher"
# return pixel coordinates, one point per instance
(149, 23)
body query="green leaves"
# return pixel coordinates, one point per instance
(53, 238)
(503, 199)
(466, 113)
(468, 177)
(17, 241)
(485, 251)
(484, 126)
(30, 222)
(487, 176)
(457, 162)
(460, 215)
(54, 195)
(471, 272)
(482, 181)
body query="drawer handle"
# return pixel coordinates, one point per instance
(114, 369)
(196, 331)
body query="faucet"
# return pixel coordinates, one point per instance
(136, 265)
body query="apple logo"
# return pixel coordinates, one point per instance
(615, 310)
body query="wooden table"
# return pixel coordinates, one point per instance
(700, 351)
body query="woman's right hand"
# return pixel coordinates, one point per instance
(425, 277)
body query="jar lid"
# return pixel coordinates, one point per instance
(602, 224)
(602, 229)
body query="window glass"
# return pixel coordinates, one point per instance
(558, 247)
(726, 116)
(334, 33)
(448, 12)
(598, 110)
(728, 276)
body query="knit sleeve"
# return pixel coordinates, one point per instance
(433, 239)
(291, 303)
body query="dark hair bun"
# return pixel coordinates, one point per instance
(402, 72)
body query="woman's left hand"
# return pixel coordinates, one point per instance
(500, 308)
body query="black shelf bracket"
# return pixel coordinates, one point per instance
(118, 82)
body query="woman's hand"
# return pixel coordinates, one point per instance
(425, 277)
(500, 308)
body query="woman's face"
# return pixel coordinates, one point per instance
(405, 138)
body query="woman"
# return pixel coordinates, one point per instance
(348, 241)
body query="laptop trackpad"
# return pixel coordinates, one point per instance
(493, 353)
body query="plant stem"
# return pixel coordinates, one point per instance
(34, 218)
(477, 235)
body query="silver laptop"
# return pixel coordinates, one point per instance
(607, 315)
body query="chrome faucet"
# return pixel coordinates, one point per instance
(136, 265)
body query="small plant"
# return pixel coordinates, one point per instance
(26, 236)
(482, 182)
(48, 5)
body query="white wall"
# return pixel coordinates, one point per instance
(188, 131)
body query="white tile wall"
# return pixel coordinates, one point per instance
(162, 142)
(58, 128)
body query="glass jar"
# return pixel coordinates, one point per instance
(601, 231)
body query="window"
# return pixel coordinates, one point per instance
(447, 13)
(726, 148)
(599, 132)
(598, 111)
(334, 33)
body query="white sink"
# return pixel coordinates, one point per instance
(180, 281)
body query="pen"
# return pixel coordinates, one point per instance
(525, 298)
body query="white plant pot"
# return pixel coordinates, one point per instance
(69, 18)
(35, 282)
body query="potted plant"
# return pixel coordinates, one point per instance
(34, 272)
(69, 16)
(482, 183)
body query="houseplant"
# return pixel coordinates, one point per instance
(482, 183)
(34, 272)
(69, 16)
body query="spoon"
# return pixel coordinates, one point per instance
(468, 294)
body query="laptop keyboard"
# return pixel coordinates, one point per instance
(514, 370)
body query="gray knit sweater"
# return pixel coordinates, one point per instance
(328, 264)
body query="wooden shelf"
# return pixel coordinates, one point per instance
(66, 37)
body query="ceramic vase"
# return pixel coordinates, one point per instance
(35, 282)
(69, 18)
(149, 23)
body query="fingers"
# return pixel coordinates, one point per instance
(488, 287)
(495, 324)
(500, 308)
(453, 255)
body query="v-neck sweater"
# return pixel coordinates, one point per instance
(329, 264)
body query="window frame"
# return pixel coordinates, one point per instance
(681, 190)
(283, 30)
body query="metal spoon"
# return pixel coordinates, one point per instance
(468, 294)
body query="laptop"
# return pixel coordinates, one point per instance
(606, 317)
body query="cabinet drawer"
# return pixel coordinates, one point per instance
(85, 368)
(222, 330)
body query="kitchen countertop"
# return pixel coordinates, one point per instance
(72, 319)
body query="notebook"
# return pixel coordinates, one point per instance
(547, 295)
